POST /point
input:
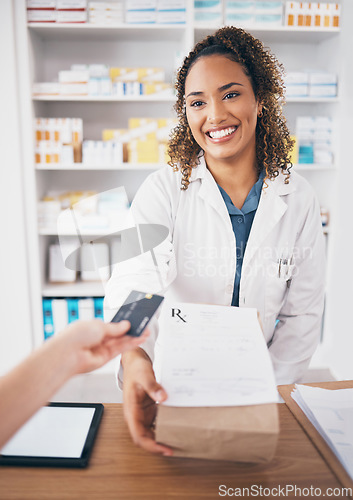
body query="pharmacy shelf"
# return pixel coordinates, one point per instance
(83, 31)
(83, 167)
(105, 231)
(77, 289)
(88, 98)
(313, 166)
(278, 34)
(87, 31)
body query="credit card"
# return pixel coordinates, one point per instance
(138, 308)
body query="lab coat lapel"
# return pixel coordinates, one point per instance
(209, 190)
(270, 210)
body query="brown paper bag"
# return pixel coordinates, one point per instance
(237, 433)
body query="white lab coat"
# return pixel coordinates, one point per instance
(197, 261)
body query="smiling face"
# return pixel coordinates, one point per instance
(222, 110)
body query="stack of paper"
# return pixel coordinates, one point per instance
(331, 413)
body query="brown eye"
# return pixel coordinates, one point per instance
(231, 95)
(196, 104)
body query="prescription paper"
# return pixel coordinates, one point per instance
(214, 356)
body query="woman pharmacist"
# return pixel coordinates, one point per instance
(243, 229)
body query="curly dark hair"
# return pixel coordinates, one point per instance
(273, 141)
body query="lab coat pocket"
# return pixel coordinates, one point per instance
(278, 281)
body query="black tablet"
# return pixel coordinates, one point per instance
(58, 435)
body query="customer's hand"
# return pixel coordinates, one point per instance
(94, 343)
(140, 393)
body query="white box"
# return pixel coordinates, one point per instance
(240, 7)
(98, 70)
(74, 88)
(322, 78)
(297, 90)
(323, 90)
(269, 7)
(67, 154)
(60, 314)
(323, 123)
(71, 4)
(71, 16)
(171, 16)
(105, 86)
(171, 4)
(208, 6)
(140, 4)
(86, 309)
(305, 123)
(335, 14)
(41, 16)
(206, 17)
(321, 156)
(58, 272)
(296, 78)
(141, 16)
(69, 76)
(268, 19)
(240, 19)
(96, 6)
(46, 88)
(115, 6)
(117, 154)
(291, 14)
(41, 4)
(322, 136)
(94, 86)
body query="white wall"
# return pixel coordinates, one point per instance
(15, 311)
(340, 293)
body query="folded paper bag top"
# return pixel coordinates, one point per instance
(237, 433)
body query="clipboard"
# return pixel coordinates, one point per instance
(318, 441)
(58, 435)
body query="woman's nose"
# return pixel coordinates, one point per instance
(216, 113)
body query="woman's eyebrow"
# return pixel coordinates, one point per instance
(194, 93)
(221, 89)
(228, 85)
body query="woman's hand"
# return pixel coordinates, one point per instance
(93, 343)
(141, 392)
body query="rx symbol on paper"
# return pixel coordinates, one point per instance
(176, 313)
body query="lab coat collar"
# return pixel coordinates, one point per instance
(270, 210)
(277, 184)
(200, 170)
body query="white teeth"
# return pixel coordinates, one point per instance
(218, 134)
